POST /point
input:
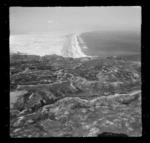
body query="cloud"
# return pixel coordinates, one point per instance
(50, 21)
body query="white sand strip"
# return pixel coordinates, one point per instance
(74, 50)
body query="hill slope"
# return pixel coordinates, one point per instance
(55, 96)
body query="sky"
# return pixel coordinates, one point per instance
(73, 19)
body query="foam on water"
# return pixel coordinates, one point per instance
(110, 43)
(73, 48)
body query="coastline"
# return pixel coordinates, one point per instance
(71, 46)
(37, 44)
(47, 44)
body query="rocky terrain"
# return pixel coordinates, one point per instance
(53, 96)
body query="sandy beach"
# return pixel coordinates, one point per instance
(47, 44)
(71, 46)
(37, 44)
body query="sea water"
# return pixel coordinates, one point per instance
(110, 43)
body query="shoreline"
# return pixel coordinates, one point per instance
(71, 47)
(63, 44)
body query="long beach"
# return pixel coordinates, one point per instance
(71, 47)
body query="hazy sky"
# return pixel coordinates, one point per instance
(73, 19)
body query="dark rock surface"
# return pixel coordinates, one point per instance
(107, 134)
(53, 96)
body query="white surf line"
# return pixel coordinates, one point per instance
(71, 47)
(78, 47)
(81, 41)
(76, 51)
(72, 50)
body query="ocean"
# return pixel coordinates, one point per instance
(110, 43)
(76, 45)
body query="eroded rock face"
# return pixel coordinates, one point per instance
(52, 96)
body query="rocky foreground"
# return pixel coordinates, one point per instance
(53, 96)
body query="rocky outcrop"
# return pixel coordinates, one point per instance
(53, 96)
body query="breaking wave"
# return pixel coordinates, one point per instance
(71, 47)
(48, 44)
